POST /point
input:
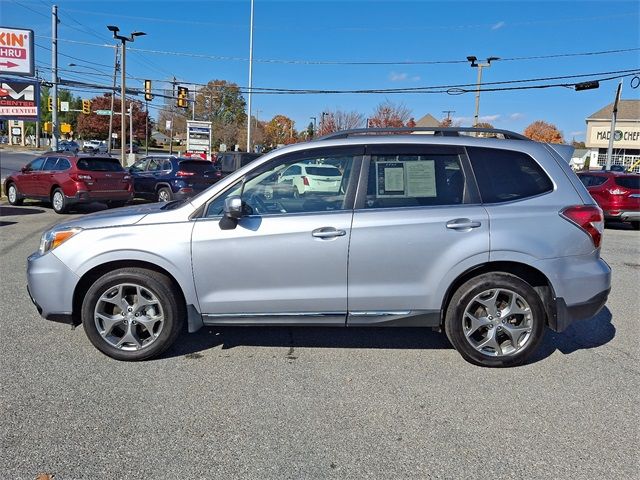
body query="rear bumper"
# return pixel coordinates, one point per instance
(101, 196)
(622, 214)
(633, 216)
(567, 314)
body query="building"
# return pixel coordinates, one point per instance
(626, 140)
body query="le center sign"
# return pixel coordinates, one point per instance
(16, 51)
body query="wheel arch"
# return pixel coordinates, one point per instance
(527, 273)
(96, 272)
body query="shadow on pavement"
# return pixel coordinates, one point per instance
(307, 337)
(581, 335)
(10, 211)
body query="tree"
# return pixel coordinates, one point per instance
(484, 125)
(97, 126)
(543, 132)
(334, 121)
(222, 104)
(280, 131)
(388, 114)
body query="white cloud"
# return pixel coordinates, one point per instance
(516, 116)
(498, 25)
(468, 121)
(578, 133)
(402, 77)
(489, 118)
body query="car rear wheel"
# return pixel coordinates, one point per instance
(132, 314)
(495, 320)
(58, 201)
(165, 195)
(13, 196)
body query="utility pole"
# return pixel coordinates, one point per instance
(193, 106)
(173, 109)
(250, 80)
(38, 116)
(448, 112)
(55, 132)
(479, 66)
(113, 94)
(123, 101)
(131, 127)
(146, 128)
(612, 131)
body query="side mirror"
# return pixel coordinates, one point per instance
(233, 207)
(25, 169)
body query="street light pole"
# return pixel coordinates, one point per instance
(123, 125)
(113, 95)
(250, 80)
(479, 66)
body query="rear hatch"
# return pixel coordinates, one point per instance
(103, 174)
(324, 178)
(199, 174)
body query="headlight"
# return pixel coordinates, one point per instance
(55, 238)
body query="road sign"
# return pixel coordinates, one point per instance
(64, 106)
(16, 51)
(103, 112)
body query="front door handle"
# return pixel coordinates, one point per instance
(328, 232)
(463, 224)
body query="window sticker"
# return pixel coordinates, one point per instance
(405, 179)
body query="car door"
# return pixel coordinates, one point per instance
(44, 179)
(417, 225)
(285, 261)
(140, 176)
(27, 181)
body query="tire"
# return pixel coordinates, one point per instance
(13, 196)
(164, 194)
(116, 204)
(482, 333)
(137, 332)
(58, 201)
(296, 193)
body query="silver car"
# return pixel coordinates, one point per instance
(489, 239)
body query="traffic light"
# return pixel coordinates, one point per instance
(86, 107)
(183, 94)
(148, 96)
(50, 104)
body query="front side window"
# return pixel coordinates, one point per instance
(414, 180)
(139, 165)
(36, 164)
(270, 192)
(505, 175)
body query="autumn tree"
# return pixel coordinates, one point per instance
(280, 131)
(222, 103)
(337, 120)
(543, 132)
(388, 114)
(97, 126)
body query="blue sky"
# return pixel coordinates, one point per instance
(290, 36)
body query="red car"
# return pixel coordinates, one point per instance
(617, 193)
(68, 179)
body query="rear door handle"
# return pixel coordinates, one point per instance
(463, 224)
(328, 232)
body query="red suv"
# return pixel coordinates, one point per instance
(618, 194)
(67, 179)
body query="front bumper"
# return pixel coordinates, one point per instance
(50, 285)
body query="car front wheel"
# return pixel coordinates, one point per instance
(13, 196)
(132, 314)
(495, 320)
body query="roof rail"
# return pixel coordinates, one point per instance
(438, 131)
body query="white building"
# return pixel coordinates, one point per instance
(626, 140)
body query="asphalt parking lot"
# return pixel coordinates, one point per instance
(315, 402)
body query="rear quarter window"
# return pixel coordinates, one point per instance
(505, 176)
(99, 165)
(631, 182)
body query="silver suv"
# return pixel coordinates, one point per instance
(489, 239)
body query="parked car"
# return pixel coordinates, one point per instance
(617, 193)
(67, 180)
(68, 146)
(229, 162)
(94, 146)
(306, 178)
(489, 239)
(165, 177)
(136, 148)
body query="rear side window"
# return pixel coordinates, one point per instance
(247, 159)
(62, 164)
(195, 166)
(504, 176)
(99, 165)
(414, 181)
(632, 182)
(50, 163)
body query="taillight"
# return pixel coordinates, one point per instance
(79, 177)
(182, 173)
(305, 180)
(617, 191)
(589, 218)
